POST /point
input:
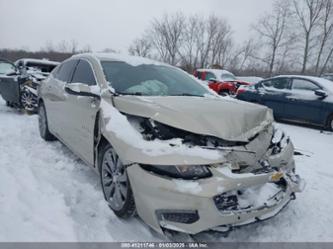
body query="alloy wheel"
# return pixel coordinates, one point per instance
(114, 180)
(28, 101)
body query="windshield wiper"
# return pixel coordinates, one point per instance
(188, 94)
(134, 94)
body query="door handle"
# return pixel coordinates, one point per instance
(93, 102)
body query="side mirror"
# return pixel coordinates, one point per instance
(80, 89)
(321, 93)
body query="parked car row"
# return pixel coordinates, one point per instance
(300, 99)
(221, 81)
(294, 98)
(166, 147)
(19, 81)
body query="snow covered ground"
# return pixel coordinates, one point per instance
(48, 194)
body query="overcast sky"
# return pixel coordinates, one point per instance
(109, 23)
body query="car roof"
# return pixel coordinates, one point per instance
(129, 59)
(39, 61)
(215, 71)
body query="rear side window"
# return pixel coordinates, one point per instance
(84, 74)
(300, 84)
(281, 84)
(65, 71)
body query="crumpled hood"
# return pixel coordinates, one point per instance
(224, 118)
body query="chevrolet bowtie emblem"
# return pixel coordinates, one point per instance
(276, 176)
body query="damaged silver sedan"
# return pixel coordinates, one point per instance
(165, 146)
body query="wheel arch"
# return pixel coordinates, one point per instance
(99, 140)
(328, 120)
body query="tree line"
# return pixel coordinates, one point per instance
(295, 37)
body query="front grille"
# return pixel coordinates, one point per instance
(180, 216)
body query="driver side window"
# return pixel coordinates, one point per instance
(278, 84)
(84, 74)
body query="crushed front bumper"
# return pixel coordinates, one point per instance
(191, 207)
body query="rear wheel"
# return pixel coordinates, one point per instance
(28, 101)
(43, 124)
(115, 183)
(330, 123)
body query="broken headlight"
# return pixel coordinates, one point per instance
(187, 172)
(279, 141)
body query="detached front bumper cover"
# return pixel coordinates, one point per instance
(192, 206)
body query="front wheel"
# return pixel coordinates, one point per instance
(43, 124)
(115, 183)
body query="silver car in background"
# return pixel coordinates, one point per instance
(167, 147)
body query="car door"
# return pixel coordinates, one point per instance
(80, 113)
(304, 105)
(9, 85)
(54, 97)
(273, 94)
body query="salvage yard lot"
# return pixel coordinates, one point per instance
(48, 194)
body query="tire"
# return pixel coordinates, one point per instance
(43, 124)
(330, 123)
(115, 183)
(224, 93)
(28, 101)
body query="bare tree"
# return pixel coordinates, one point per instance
(167, 36)
(242, 56)
(49, 47)
(221, 42)
(86, 49)
(272, 30)
(141, 47)
(73, 46)
(207, 32)
(326, 37)
(189, 52)
(308, 14)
